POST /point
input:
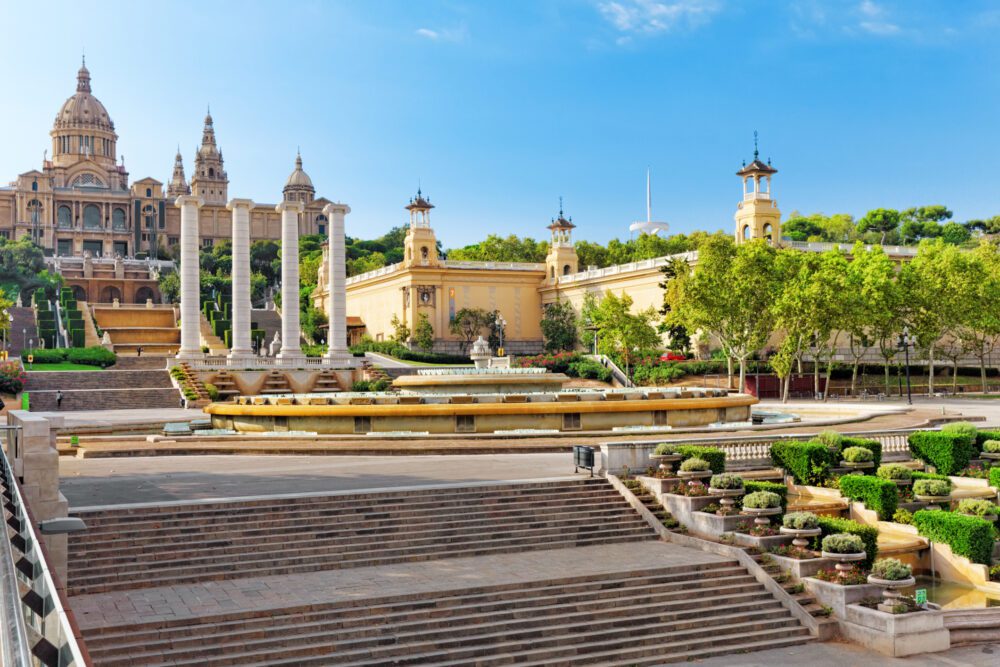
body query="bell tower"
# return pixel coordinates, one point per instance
(209, 180)
(757, 215)
(562, 259)
(420, 244)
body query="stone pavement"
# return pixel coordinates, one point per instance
(840, 654)
(220, 597)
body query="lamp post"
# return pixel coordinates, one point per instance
(501, 325)
(905, 341)
(7, 321)
(24, 337)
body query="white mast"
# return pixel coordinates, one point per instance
(648, 226)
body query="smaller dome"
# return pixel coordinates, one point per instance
(299, 178)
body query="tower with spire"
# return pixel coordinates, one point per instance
(562, 259)
(420, 244)
(209, 180)
(757, 214)
(178, 184)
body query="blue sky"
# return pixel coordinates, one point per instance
(498, 108)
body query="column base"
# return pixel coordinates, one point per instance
(190, 355)
(291, 356)
(340, 359)
(240, 356)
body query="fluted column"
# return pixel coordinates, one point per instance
(337, 352)
(190, 278)
(241, 347)
(290, 332)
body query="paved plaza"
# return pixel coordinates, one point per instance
(842, 654)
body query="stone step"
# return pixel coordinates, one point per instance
(97, 379)
(100, 399)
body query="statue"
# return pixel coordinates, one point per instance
(275, 344)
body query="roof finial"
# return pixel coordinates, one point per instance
(83, 53)
(755, 152)
(560, 207)
(419, 193)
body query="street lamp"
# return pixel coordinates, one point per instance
(905, 341)
(24, 337)
(501, 324)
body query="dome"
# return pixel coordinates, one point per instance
(299, 178)
(83, 109)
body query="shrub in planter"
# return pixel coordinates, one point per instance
(760, 500)
(807, 462)
(212, 391)
(694, 465)
(949, 453)
(903, 516)
(878, 495)
(716, 457)
(978, 507)
(874, 446)
(858, 455)
(930, 475)
(894, 472)
(932, 487)
(843, 543)
(962, 429)
(983, 436)
(753, 486)
(45, 355)
(966, 535)
(868, 534)
(995, 477)
(829, 439)
(800, 521)
(725, 481)
(91, 356)
(663, 449)
(891, 569)
(991, 446)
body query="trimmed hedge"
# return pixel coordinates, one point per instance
(983, 436)
(808, 462)
(995, 477)
(948, 453)
(716, 457)
(89, 356)
(878, 495)
(45, 355)
(929, 475)
(868, 534)
(874, 445)
(752, 486)
(967, 536)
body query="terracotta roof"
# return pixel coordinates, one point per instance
(562, 223)
(757, 167)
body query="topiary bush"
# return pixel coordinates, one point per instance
(963, 429)
(857, 455)
(991, 446)
(977, 507)
(753, 486)
(891, 569)
(843, 543)
(725, 481)
(800, 521)
(716, 457)
(807, 462)
(694, 465)
(967, 536)
(760, 500)
(868, 535)
(949, 453)
(45, 355)
(894, 472)
(874, 446)
(983, 436)
(878, 495)
(931, 487)
(903, 516)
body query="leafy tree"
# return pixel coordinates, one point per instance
(170, 286)
(955, 233)
(469, 324)
(981, 321)
(559, 327)
(620, 331)
(263, 255)
(401, 332)
(801, 229)
(879, 220)
(423, 333)
(499, 249)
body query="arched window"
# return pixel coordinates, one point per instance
(321, 224)
(768, 232)
(566, 270)
(91, 217)
(746, 232)
(211, 172)
(149, 192)
(143, 293)
(118, 220)
(65, 214)
(423, 253)
(87, 180)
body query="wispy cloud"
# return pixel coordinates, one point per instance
(875, 20)
(652, 17)
(458, 34)
(811, 18)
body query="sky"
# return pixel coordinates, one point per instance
(496, 109)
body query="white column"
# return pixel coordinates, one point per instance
(290, 332)
(241, 279)
(190, 278)
(337, 352)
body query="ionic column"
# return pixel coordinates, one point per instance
(190, 278)
(337, 352)
(290, 332)
(242, 348)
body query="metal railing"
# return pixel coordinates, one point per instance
(617, 373)
(37, 630)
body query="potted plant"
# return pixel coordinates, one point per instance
(801, 525)
(760, 505)
(980, 508)
(664, 456)
(991, 450)
(890, 574)
(895, 472)
(831, 439)
(857, 457)
(695, 468)
(728, 486)
(844, 548)
(932, 490)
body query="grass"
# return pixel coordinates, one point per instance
(61, 366)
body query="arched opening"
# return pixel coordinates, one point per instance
(118, 220)
(211, 172)
(321, 224)
(65, 215)
(746, 232)
(768, 233)
(566, 270)
(552, 272)
(91, 217)
(79, 293)
(424, 253)
(110, 293)
(144, 293)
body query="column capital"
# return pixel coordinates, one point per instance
(237, 203)
(189, 199)
(296, 206)
(337, 207)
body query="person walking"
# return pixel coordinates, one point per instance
(59, 398)
(138, 351)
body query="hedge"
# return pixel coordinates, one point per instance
(750, 486)
(874, 445)
(399, 351)
(716, 457)
(929, 475)
(983, 436)
(948, 453)
(808, 462)
(45, 355)
(995, 477)
(967, 536)
(79, 339)
(878, 495)
(868, 534)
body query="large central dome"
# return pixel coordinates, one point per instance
(83, 110)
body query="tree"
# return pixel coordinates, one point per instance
(401, 332)
(955, 233)
(620, 331)
(559, 327)
(423, 333)
(469, 324)
(981, 320)
(263, 255)
(879, 220)
(499, 249)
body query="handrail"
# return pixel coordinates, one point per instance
(616, 372)
(38, 629)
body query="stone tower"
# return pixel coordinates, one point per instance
(757, 215)
(178, 183)
(420, 244)
(562, 259)
(209, 181)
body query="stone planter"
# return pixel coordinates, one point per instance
(860, 465)
(665, 461)
(760, 515)
(800, 535)
(763, 543)
(800, 568)
(844, 561)
(726, 496)
(992, 518)
(659, 485)
(694, 474)
(933, 500)
(890, 594)
(903, 482)
(993, 456)
(895, 635)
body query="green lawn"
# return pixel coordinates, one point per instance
(61, 366)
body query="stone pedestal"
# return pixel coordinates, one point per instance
(241, 346)
(337, 352)
(290, 331)
(190, 279)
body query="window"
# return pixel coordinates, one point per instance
(321, 229)
(173, 240)
(149, 192)
(211, 172)
(65, 247)
(571, 421)
(65, 215)
(4, 234)
(206, 243)
(87, 180)
(465, 423)
(91, 217)
(362, 424)
(118, 220)
(659, 417)
(566, 270)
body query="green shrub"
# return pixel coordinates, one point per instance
(966, 535)
(761, 500)
(858, 455)
(991, 446)
(931, 487)
(370, 385)
(947, 453)
(716, 457)
(752, 486)
(977, 507)
(983, 436)
(800, 521)
(894, 471)
(212, 391)
(903, 516)
(807, 462)
(79, 338)
(917, 474)
(91, 356)
(878, 495)
(868, 535)
(394, 349)
(694, 464)
(891, 569)
(995, 477)
(663, 449)
(874, 446)
(590, 370)
(45, 355)
(725, 481)
(829, 439)
(963, 429)
(843, 543)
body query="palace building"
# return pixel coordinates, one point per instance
(81, 202)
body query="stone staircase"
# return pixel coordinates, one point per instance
(327, 382)
(216, 345)
(646, 617)
(267, 320)
(130, 548)
(276, 383)
(23, 329)
(101, 390)
(90, 337)
(226, 385)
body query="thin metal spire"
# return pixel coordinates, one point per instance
(755, 152)
(649, 199)
(560, 207)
